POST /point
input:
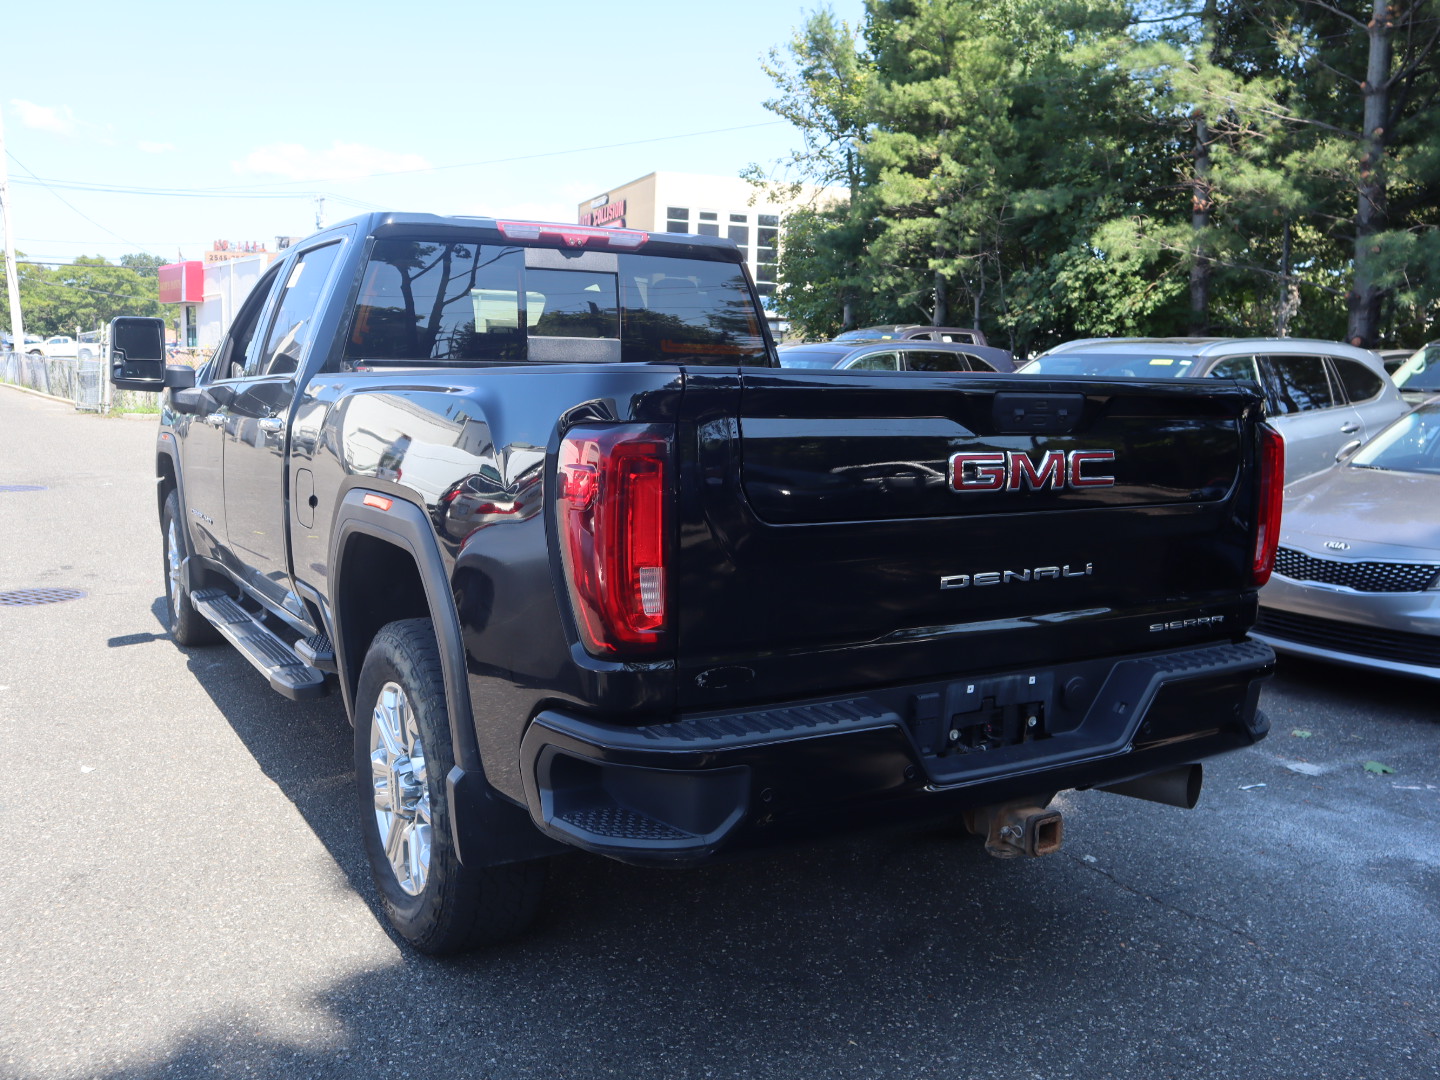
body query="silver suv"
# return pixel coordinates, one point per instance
(1320, 395)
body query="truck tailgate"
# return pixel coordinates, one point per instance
(907, 526)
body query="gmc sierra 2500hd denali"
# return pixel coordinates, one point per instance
(592, 571)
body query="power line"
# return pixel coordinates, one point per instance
(72, 206)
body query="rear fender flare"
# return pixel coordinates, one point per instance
(489, 829)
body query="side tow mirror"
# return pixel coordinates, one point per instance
(137, 353)
(1346, 451)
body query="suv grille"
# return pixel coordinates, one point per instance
(1396, 645)
(1360, 576)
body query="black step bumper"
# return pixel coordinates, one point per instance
(682, 791)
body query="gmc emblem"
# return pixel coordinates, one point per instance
(1010, 470)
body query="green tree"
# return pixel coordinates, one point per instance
(823, 79)
(85, 294)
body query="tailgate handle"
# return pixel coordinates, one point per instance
(1037, 414)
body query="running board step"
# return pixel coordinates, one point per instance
(288, 674)
(317, 651)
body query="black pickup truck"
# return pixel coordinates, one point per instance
(592, 571)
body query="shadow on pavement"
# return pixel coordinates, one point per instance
(898, 954)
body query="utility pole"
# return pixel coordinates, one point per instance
(12, 281)
(319, 212)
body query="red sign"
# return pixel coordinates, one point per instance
(182, 282)
(612, 213)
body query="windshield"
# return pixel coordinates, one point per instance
(868, 333)
(1132, 365)
(1421, 371)
(812, 358)
(1411, 444)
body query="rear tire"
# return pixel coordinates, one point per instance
(187, 626)
(402, 757)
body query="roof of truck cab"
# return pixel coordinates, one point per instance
(393, 219)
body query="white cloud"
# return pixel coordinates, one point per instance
(156, 147)
(57, 118)
(342, 161)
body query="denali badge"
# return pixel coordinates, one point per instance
(1008, 470)
(1005, 577)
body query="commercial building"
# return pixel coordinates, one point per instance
(208, 292)
(723, 206)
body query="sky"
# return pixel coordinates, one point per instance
(162, 127)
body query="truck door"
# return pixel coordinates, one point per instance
(202, 434)
(257, 422)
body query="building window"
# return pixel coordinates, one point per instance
(769, 221)
(677, 219)
(709, 223)
(741, 218)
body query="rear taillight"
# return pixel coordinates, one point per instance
(1272, 492)
(613, 512)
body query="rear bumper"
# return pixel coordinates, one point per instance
(1397, 633)
(683, 791)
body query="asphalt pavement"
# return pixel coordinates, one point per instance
(186, 893)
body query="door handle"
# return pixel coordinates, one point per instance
(272, 424)
(1349, 429)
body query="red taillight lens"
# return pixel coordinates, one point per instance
(1272, 492)
(613, 511)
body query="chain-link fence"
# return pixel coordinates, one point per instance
(82, 381)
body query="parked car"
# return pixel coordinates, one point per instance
(1393, 358)
(1357, 575)
(1419, 377)
(33, 344)
(65, 347)
(958, 335)
(897, 356)
(1320, 395)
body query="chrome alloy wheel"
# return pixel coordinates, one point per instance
(172, 566)
(402, 791)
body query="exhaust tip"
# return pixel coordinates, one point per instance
(1175, 787)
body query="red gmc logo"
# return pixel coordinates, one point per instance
(1012, 470)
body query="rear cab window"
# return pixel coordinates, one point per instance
(449, 300)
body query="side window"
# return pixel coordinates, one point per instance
(885, 361)
(240, 345)
(294, 327)
(1300, 383)
(1236, 367)
(1361, 384)
(935, 361)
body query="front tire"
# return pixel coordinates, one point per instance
(187, 626)
(402, 757)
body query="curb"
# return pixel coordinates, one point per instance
(71, 403)
(39, 393)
